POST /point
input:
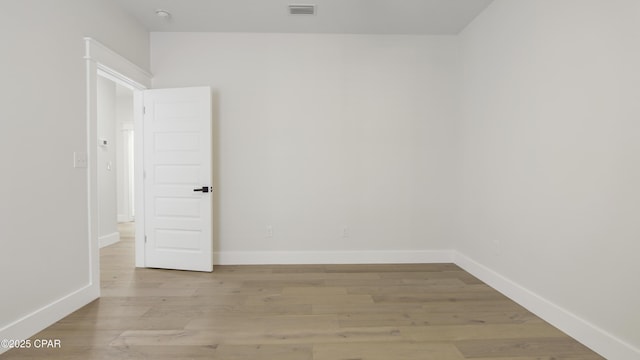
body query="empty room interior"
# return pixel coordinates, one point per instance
(320, 180)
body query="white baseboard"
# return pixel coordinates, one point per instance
(588, 334)
(34, 322)
(332, 257)
(110, 239)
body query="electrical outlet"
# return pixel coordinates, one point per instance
(80, 160)
(269, 231)
(345, 232)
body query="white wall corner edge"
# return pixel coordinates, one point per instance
(109, 239)
(588, 334)
(332, 257)
(31, 324)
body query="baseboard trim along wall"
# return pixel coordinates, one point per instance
(109, 239)
(588, 334)
(40, 319)
(332, 257)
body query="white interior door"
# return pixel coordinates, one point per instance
(177, 180)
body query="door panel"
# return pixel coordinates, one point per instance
(177, 160)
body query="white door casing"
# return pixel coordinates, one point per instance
(177, 162)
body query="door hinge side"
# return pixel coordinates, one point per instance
(145, 239)
(144, 110)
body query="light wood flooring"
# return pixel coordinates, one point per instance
(311, 312)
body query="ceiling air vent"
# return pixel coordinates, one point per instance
(302, 9)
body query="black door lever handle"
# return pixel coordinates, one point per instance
(204, 189)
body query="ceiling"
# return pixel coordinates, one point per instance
(432, 17)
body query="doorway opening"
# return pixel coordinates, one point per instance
(102, 62)
(115, 167)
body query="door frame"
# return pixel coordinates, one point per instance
(102, 61)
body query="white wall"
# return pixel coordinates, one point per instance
(107, 164)
(318, 132)
(550, 154)
(43, 230)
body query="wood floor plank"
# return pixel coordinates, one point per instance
(434, 318)
(98, 309)
(316, 291)
(264, 323)
(386, 351)
(264, 352)
(149, 353)
(556, 347)
(118, 323)
(498, 304)
(429, 286)
(309, 299)
(364, 308)
(256, 336)
(449, 333)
